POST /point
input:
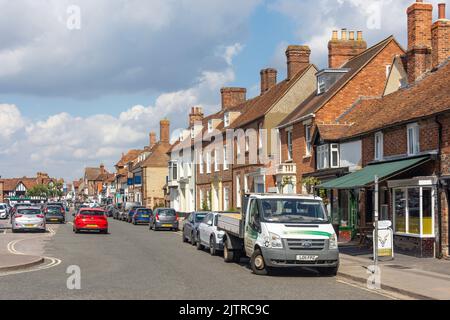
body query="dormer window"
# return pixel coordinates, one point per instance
(210, 126)
(226, 119)
(328, 77)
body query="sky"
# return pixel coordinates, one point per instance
(82, 81)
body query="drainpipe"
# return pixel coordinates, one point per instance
(439, 187)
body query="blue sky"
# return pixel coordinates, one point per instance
(76, 98)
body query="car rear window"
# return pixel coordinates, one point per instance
(145, 211)
(2, 206)
(92, 213)
(29, 211)
(167, 212)
(200, 217)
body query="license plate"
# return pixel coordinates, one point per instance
(29, 225)
(144, 216)
(307, 258)
(92, 226)
(53, 219)
(167, 225)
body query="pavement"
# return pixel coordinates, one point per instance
(419, 278)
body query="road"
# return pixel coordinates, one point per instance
(135, 263)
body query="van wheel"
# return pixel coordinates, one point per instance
(258, 264)
(228, 255)
(330, 271)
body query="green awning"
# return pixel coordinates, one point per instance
(366, 176)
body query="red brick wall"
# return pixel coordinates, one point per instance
(395, 141)
(440, 41)
(369, 82)
(445, 158)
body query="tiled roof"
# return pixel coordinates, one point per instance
(426, 97)
(91, 174)
(129, 156)
(314, 102)
(331, 132)
(158, 156)
(11, 184)
(260, 105)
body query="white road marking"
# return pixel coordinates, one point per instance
(52, 262)
(381, 292)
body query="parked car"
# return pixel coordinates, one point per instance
(190, 227)
(164, 218)
(110, 210)
(54, 214)
(208, 236)
(132, 211)
(90, 219)
(141, 216)
(28, 218)
(4, 211)
(126, 209)
(116, 212)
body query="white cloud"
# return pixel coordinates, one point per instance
(63, 144)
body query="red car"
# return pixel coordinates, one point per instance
(91, 219)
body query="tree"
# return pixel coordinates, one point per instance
(39, 190)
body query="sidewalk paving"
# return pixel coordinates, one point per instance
(420, 278)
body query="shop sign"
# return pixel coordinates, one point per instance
(385, 245)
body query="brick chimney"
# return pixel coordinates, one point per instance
(268, 79)
(342, 50)
(420, 17)
(232, 97)
(297, 59)
(102, 168)
(164, 131)
(152, 139)
(196, 115)
(440, 38)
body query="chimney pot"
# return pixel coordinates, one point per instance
(359, 36)
(268, 79)
(351, 35)
(335, 35)
(152, 137)
(441, 7)
(344, 34)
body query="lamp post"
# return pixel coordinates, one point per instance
(375, 238)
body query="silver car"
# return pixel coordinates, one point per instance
(28, 219)
(4, 211)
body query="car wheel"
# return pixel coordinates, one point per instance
(198, 244)
(258, 264)
(193, 239)
(184, 238)
(212, 246)
(329, 271)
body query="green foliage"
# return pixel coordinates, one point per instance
(310, 183)
(46, 191)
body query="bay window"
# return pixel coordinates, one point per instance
(414, 211)
(328, 156)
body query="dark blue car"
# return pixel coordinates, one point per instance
(141, 216)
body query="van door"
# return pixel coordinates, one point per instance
(252, 228)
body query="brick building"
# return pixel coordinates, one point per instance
(362, 73)
(403, 139)
(227, 171)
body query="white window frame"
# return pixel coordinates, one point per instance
(216, 162)
(413, 132)
(238, 191)
(208, 162)
(308, 144)
(378, 146)
(334, 147)
(289, 144)
(225, 160)
(260, 136)
(200, 163)
(323, 158)
(226, 119)
(247, 143)
(320, 85)
(226, 198)
(433, 201)
(238, 147)
(210, 126)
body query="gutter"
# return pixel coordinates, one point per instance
(305, 117)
